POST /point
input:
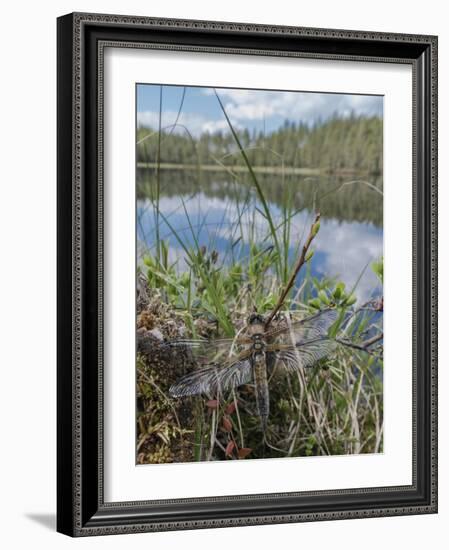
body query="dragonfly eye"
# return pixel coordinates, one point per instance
(255, 318)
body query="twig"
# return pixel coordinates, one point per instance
(301, 261)
(364, 345)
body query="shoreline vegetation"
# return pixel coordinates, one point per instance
(332, 408)
(274, 170)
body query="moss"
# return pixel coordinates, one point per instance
(162, 435)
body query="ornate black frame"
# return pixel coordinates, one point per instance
(81, 508)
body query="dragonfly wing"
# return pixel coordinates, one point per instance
(205, 351)
(307, 330)
(211, 379)
(305, 355)
(301, 344)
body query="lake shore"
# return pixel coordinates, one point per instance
(275, 170)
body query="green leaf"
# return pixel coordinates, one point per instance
(351, 300)
(337, 293)
(323, 297)
(309, 255)
(378, 269)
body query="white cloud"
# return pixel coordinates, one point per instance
(212, 126)
(196, 124)
(350, 247)
(244, 106)
(306, 107)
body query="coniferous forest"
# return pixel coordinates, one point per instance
(349, 144)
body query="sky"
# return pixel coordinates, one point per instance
(261, 110)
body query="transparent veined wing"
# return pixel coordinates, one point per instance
(301, 344)
(214, 378)
(294, 357)
(206, 352)
(310, 329)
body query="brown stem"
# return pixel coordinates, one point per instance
(301, 261)
(363, 346)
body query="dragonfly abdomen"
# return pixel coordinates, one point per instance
(261, 383)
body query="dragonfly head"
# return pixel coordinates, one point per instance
(256, 319)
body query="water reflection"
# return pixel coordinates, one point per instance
(227, 217)
(344, 198)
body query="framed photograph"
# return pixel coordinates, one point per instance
(247, 280)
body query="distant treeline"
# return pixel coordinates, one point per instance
(334, 196)
(336, 145)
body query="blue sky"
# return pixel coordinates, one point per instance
(262, 110)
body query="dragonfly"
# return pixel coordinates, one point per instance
(252, 355)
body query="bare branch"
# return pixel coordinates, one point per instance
(363, 346)
(301, 261)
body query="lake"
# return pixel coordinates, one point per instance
(222, 214)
